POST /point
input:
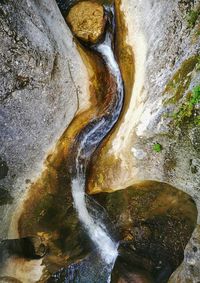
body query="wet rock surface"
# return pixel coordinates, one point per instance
(155, 222)
(87, 21)
(124, 272)
(8, 279)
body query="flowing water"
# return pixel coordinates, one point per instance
(87, 142)
(97, 131)
(154, 222)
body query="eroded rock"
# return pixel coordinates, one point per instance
(8, 279)
(87, 21)
(154, 223)
(125, 273)
(38, 83)
(166, 50)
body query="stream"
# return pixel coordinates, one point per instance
(73, 226)
(92, 135)
(87, 141)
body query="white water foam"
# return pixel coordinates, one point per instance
(107, 53)
(107, 247)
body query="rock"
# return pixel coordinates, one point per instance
(138, 153)
(123, 272)
(30, 248)
(148, 217)
(190, 267)
(3, 169)
(5, 197)
(166, 51)
(87, 21)
(38, 82)
(8, 279)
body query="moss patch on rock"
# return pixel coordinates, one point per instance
(192, 17)
(187, 109)
(180, 82)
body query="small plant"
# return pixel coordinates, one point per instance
(196, 95)
(192, 18)
(157, 147)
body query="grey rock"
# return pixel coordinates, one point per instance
(41, 75)
(162, 41)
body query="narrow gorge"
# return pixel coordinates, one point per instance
(100, 130)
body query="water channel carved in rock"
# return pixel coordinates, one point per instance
(145, 227)
(97, 122)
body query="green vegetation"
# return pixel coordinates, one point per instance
(157, 147)
(181, 80)
(195, 95)
(197, 120)
(192, 17)
(178, 86)
(187, 108)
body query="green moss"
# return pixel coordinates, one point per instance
(197, 120)
(186, 110)
(196, 95)
(180, 82)
(157, 147)
(192, 17)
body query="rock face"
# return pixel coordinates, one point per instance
(148, 217)
(145, 219)
(39, 88)
(124, 275)
(159, 137)
(165, 39)
(87, 21)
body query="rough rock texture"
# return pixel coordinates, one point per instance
(87, 21)
(166, 43)
(148, 218)
(39, 84)
(145, 219)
